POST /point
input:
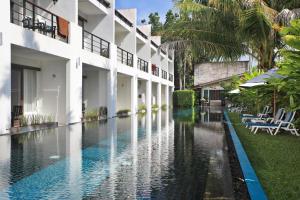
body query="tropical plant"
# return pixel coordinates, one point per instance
(227, 29)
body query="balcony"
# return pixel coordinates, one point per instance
(104, 3)
(142, 65)
(123, 18)
(154, 44)
(125, 57)
(163, 52)
(93, 7)
(171, 77)
(36, 18)
(155, 70)
(164, 74)
(95, 44)
(142, 34)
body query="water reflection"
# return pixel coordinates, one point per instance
(156, 156)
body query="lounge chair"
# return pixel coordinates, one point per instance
(278, 117)
(273, 128)
(264, 114)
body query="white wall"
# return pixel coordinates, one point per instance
(95, 86)
(52, 90)
(123, 92)
(67, 9)
(142, 92)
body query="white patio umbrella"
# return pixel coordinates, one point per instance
(235, 91)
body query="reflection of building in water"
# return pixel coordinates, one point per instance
(211, 114)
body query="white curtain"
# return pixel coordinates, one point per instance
(30, 91)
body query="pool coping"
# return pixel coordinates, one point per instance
(254, 186)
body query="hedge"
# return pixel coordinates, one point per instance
(184, 98)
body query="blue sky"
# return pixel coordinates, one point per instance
(145, 7)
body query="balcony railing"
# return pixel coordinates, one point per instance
(155, 70)
(95, 44)
(164, 74)
(123, 18)
(154, 44)
(171, 77)
(36, 18)
(125, 57)
(163, 52)
(170, 57)
(142, 65)
(142, 34)
(104, 3)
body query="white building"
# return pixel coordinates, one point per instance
(58, 55)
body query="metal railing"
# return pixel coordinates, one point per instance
(141, 33)
(155, 70)
(95, 44)
(164, 74)
(105, 3)
(154, 44)
(125, 57)
(171, 77)
(123, 18)
(36, 18)
(142, 65)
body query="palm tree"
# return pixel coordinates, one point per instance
(227, 29)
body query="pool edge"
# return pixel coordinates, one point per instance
(254, 187)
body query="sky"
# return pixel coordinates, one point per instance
(145, 7)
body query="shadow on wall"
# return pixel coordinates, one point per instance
(30, 40)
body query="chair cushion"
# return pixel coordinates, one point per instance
(261, 124)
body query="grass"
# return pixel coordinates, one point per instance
(276, 160)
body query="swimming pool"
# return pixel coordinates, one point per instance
(163, 155)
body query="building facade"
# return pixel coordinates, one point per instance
(60, 57)
(208, 78)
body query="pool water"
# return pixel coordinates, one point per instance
(163, 155)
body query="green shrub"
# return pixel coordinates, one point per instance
(184, 98)
(164, 107)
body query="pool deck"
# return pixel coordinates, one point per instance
(253, 184)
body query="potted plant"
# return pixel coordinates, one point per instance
(155, 107)
(142, 108)
(123, 113)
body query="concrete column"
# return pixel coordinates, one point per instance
(74, 78)
(167, 96)
(134, 94)
(159, 95)
(74, 90)
(5, 68)
(112, 82)
(149, 95)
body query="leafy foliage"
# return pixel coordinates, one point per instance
(184, 98)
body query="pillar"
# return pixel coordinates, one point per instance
(167, 96)
(5, 68)
(159, 95)
(134, 94)
(112, 83)
(149, 95)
